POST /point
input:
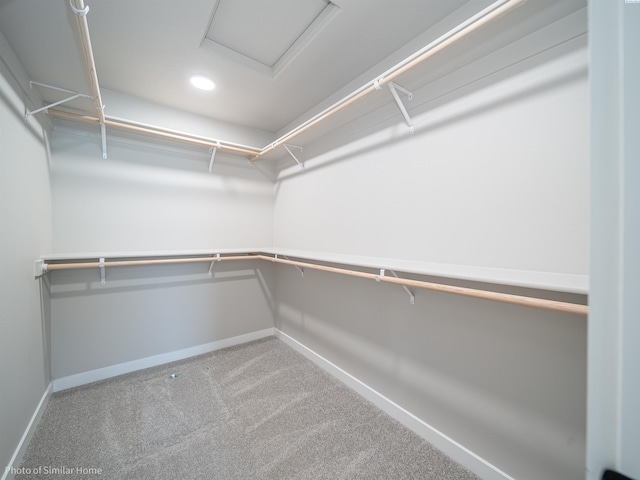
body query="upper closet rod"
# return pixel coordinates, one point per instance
(473, 23)
(81, 11)
(160, 132)
(540, 303)
(470, 25)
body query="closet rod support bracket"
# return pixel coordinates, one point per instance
(296, 267)
(81, 12)
(288, 149)
(394, 87)
(412, 298)
(73, 96)
(213, 263)
(213, 151)
(103, 280)
(39, 268)
(103, 134)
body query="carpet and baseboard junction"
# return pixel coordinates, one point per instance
(259, 410)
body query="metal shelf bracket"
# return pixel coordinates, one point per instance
(103, 279)
(213, 264)
(40, 268)
(295, 266)
(46, 107)
(103, 133)
(213, 151)
(412, 298)
(288, 149)
(394, 87)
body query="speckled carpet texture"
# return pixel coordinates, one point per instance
(256, 411)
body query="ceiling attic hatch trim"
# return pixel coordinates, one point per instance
(270, 63)
(493, 11)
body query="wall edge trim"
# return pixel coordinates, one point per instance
(21, 448)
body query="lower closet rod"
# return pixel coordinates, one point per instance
(132, 263)
(541, 303)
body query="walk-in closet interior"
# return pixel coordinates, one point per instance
(428, 208)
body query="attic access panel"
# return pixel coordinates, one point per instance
(265, 36)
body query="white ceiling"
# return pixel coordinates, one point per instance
(289, 25)
(272, 60)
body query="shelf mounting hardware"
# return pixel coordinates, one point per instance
(288, 149)
(213, 151)
(412, 298)
(296, 267)
(377, 277)
(82, 12)
(103, 280)
(103, 134)
(47, 107)
(394, 87)
(40, 268)
(213, 263)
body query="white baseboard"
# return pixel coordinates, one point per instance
(21, 449)
(147, 362)
(450, 447)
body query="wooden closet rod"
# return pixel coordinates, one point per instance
(520, 300)
(81, 17)
(472, 24)
(158, 132)
(133, 263)
(541, 303)
(493, 11)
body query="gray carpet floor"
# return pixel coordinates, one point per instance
(256, 411)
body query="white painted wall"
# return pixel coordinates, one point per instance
(613, 439)
(145, 198)
(497, 178)
(507, 383)
(25, 224)
(132, 108)
(494, 176)
(153, 196)
(143, 312)
(504, 166)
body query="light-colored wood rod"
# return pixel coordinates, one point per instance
(324, 268)
(474, 23)
(133, 263)
(89, 60)
(492, 12)
(541, 303)
(520, 300)
(344, 103)
(74, 116)
(151, 131)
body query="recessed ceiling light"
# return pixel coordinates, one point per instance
(202, 82)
